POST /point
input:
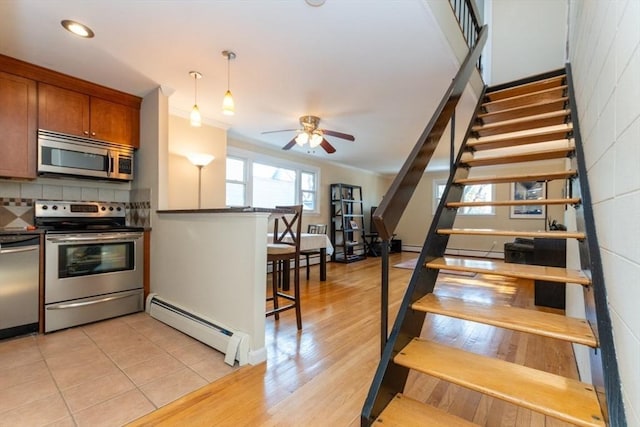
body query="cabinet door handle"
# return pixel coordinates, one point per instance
(86, 132)
(93, 134)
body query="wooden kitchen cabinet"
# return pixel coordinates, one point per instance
(115, 122)
(18, 110)
(75, 113)
(62, 110)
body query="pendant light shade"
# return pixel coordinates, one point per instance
(195, 117)
(228, 106)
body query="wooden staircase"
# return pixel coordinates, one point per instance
(519, 123)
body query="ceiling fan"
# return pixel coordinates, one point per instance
(310, 133)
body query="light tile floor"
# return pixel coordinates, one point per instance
(103, 374)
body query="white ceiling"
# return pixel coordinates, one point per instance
(372, 68)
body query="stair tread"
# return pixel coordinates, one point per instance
(524, 99)
(496, 179)
(529, 156)
(404, 411)
(541, 107)
(524, 271)
(568, 201)
(546, 134)
(513, 233)
(563, 398)
(534, 86)
(515, 318)
(527, 119)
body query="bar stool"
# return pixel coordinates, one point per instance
(285, 247)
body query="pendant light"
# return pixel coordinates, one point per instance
(195, 117)
(228, 107)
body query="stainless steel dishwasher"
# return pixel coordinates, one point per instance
(19, 274)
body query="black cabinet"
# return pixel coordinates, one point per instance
(548, 252)
(552, 253)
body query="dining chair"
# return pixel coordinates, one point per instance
(287, 229)
(313, 229)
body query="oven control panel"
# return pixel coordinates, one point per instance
(55, 208)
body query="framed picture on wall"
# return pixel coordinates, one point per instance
(528, 192)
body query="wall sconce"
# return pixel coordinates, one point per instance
(228, 106)
(200, 160)
(195, 117)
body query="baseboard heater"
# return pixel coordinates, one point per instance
(234, 344)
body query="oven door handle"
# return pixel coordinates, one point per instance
(115, 237)
(17, 250)
(92, 302)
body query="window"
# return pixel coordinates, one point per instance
(236, 182)
(256, 180)
(308, 188)
(472, 193)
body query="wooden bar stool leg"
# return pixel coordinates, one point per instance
(296, 289)
(274, 286)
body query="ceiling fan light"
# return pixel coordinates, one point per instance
(195, 116)
(302, 138)
(315, 140)
(228, 106)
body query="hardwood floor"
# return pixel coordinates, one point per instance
(320, 376)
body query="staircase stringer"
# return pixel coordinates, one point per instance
(390, 378)
(604, 363)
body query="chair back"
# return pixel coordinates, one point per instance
(317, 229)
(288, 226)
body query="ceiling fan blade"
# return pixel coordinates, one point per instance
(290, 144)
(338, 134)
(282, 130)
(327, 147)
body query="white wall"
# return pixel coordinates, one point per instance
(183, 186)
(605, 55)
(527, 37)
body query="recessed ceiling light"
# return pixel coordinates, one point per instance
(77, 28)
(315, 3)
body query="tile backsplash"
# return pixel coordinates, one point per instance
(15, 212)
(17, 198)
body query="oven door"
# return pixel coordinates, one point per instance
(90, 264)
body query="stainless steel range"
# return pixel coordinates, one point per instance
(93, 262)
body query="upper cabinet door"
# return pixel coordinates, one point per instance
(62, 110)
(114, 122)
(75, 113)
(18, 109)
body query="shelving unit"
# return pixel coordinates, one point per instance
(347, 223)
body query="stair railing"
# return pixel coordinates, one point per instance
(604, 364)
(468, 16)
(390, 210)
(387, 215)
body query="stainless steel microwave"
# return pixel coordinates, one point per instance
(61, 154)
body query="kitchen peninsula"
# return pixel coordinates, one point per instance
(217, 274)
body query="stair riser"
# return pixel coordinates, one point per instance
(521, 101)
(525, 89)
(516, 159)
(515, 127)
(517, 141)
(522, 112)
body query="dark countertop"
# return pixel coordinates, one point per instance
(222, 210)
(20, 231)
